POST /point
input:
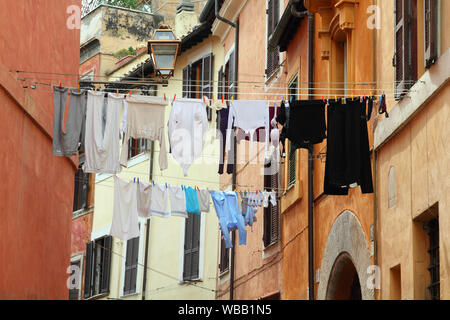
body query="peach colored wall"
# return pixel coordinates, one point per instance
(421, 161)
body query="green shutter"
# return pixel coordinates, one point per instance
(106, 265)
(88, 270)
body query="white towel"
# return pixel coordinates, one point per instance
(125, 225)
(144, 196)
(177, 198)
(159, 205)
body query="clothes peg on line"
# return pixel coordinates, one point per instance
(175, 95)
(130, 93)
(60, 85)
(117, 92)
(165, 97)
(134, 180)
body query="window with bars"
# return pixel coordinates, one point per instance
(273, 55)
(191, 261)
(197, 80)
(131, 266)
(432, 229)
(98, 265)
(271, 216)
(405, 55)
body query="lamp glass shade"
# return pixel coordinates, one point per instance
(164, 35)
(164, 55)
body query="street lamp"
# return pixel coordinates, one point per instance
(163, 48)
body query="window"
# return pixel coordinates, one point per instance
(131, 266)
(432, 229)
(405, 56)
(197, 80)
(191, 259)
(81, 189)
(75, 278)
(224, 262)
(98, 264)
(137, 146)
(273, 55)
(292, 162)
(396, 283)
(271, 217)
(431, 31)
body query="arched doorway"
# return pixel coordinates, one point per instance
(344, 281)
(345, 261)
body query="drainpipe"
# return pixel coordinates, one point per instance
(147, 232)
(310, 163)
(234, 177)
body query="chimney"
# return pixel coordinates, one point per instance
(185, 19)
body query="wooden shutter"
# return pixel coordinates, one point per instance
(220, 93)
(292, 164)
(273, 55)
(274, 219)
(128, 265)
(224, 255)
(267, 211)
(134, 263)
(430, 23)
(106, 264)
(207, 84)
(405, 52)
(88, 270)
(187, 261)
(231, 76)
(192, 247)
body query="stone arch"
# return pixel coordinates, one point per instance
(347, 237)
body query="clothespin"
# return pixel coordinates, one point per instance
(275, 100)
(60, 85)
(138, 179)
(134, 180)
(282, 100)
(174, 98)
(117, 92)
(232, 99)
(203, 99)
(166, 185)
(150, 181)
(335, 98)
(213, 99)
(222, 99)
(78, 86)
(95, 91)
(130, 92)
(165, 97)
(292, 97)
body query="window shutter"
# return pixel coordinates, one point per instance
(187, 261)
(207, 80)
(231, 76)
(274, 211)
(292, 165)
(134, 263)
(106, 265)
(399, 48)
(267, 211)
(430, 23)
(220, 93)
(128, 258)
(195, 246)
(84, 190)
(273, 56)
(88, 271)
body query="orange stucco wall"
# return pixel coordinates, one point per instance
(326, 208)
(37, 187)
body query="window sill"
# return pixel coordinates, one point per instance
(129, 295)
(187, 282)
(79, 213)
(224, 273)
(98, 296)
(271, 249)
(270, 78)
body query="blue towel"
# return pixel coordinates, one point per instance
(192, 204)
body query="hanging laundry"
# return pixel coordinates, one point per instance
(237, 220)
(188, 125)
(272, 195)
(192, 205)
(203, 200)
(223, 124)
(144, 197)
(101, 146)
(248, 115)
(348, 155)
(306, 124)
(125, 225)
(145, 119)
(249, 217)
(67, 143)
(160, 201)
(177, 198)
(283, 119)
(221, 206)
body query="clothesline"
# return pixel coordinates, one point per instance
(331, 88)
(214, 81)
(265, 94)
